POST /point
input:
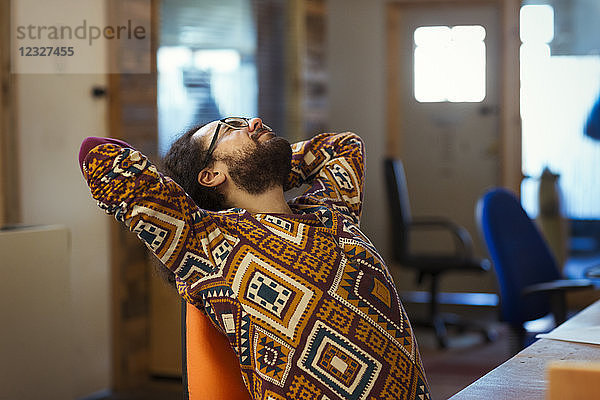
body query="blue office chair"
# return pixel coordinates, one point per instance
(531, 285)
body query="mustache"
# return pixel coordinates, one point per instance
(256, 134)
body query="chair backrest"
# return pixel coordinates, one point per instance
(210, 367)
(519, 253)
(399, 205)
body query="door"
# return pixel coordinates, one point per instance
(446, 127)
(449, 138)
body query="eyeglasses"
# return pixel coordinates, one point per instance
(230, 122)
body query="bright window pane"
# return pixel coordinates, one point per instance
(461, 50)
(537, 24)
(432, 35)
(430, 82)
(468, 33)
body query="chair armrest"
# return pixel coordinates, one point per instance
(592, 272)
(556, 291)
(560, 285)
(462, 238)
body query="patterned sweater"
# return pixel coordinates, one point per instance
(305, 300)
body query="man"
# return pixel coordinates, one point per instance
(303, 297)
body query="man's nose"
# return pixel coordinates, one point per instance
(254, 124)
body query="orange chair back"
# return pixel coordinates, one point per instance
(211, 366)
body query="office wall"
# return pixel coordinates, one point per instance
(35, 366)
(356, 57)
(55, 112)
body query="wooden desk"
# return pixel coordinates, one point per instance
(524, 375)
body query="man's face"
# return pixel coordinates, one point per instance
(232, 139)
(255, 157)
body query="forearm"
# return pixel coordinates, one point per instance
(311, 156)
(119, 177)
(154, 207)
(125, 184)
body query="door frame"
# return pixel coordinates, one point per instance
(9, 176)
(509, 82)
(130, 264)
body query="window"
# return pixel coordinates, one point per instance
(461, 50)
(206, 65)
(557, 94)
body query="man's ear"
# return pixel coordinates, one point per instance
(211, 177)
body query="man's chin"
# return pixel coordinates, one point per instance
(263, 167)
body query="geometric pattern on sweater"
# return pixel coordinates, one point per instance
(244, 338)
(272, 356)
(268, 294)
(345, 179)
(194, 266)
(337, 363)
(294, 232)
(157, 229)
(356, 289)
(306, 302)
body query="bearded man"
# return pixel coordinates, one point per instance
(301, 294)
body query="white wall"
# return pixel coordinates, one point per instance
(55, 113)
(35, 365)
(356, 64)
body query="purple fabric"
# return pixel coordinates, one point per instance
(90, 142)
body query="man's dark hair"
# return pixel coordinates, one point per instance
(183, 163)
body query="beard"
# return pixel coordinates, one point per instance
(262, 166)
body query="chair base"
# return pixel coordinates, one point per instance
(439, 321)
(442, 321)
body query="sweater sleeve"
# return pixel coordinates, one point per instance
(333, 164)
(93, 141)
(186, 239)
